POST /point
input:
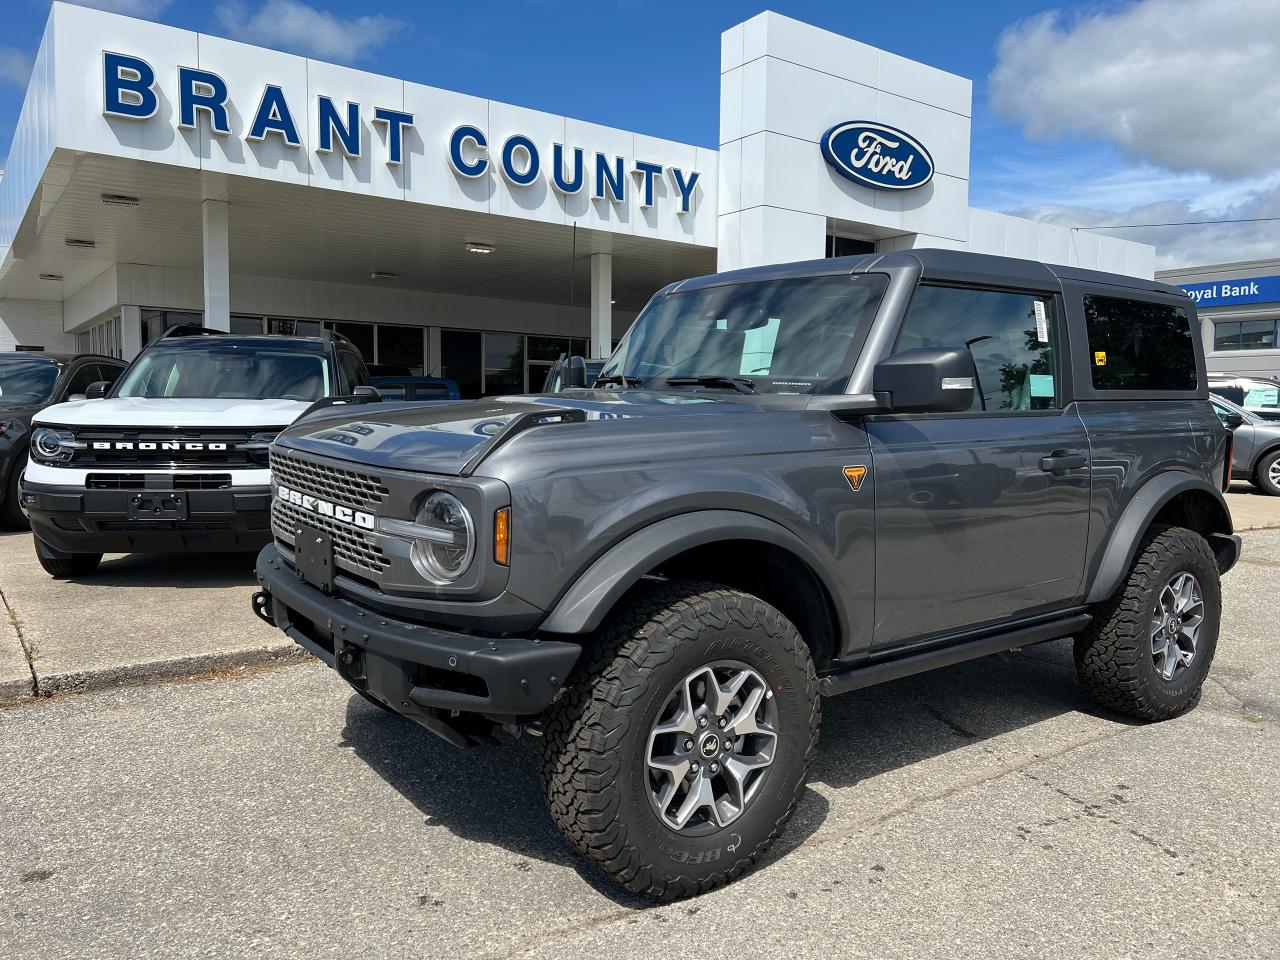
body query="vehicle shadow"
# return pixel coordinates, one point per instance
(173, 570)
(493, 795)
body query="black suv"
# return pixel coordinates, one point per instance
(29, 381)
(789, 482)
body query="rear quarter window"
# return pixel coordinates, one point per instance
(1139, 345)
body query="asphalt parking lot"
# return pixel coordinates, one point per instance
(982, 810)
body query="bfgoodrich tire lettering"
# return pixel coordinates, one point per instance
(594, 751)
(1114, 658)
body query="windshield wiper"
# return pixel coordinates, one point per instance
(741, 384)
(623, 379)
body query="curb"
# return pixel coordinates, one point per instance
(154, 671)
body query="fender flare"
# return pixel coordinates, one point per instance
(598, 588)
(1136, 518)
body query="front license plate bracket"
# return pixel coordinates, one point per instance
(158, 505)
(313, 555)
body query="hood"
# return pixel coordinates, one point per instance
(172, 412)
(443, 437)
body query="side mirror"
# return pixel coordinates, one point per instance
(366, 393)
(928, 380)
(575, 373)
(97, 390)
(1233, 420)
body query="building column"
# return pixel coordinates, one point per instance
(601, 305)
(130, 331)
(217, 266)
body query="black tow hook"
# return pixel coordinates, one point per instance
(351, 664)
(262, 607)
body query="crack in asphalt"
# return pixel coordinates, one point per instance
(28, 654)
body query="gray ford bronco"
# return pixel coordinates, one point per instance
(788, 482)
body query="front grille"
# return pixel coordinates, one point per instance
(177, 481)
(160, 447)
(351, 547)
(350, 487)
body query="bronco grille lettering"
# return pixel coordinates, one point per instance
(189, 445)
(326, 508)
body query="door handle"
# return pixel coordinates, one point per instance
(1062, 460)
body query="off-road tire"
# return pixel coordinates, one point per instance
(73, 565)
(1113, 656)
(1262, 474)
(11, 516)
(596, 734)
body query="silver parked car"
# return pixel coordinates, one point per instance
(1256, 453)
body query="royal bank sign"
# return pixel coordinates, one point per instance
(130, 91)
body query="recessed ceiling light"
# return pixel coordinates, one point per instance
(50, 276)
(382, 275)
(120, 200)
(479, 248)
(82, 244)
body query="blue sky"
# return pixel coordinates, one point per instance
(1048, 139)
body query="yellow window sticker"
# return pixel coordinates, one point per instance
(1100, 358)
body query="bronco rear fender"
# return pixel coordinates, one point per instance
(585, 604)
(1142, 510)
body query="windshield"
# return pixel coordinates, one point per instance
(782, 336)
(228, 371)
(27, 382)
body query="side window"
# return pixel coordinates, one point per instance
(1011, 337)
(1139, 345)
(351, 371)
(80, 380)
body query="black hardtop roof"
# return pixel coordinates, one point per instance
(56, 356)
(958, 266)
(233, 340)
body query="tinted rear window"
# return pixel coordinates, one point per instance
(1139, 345)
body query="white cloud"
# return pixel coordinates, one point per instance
(1190, 245)
(15, 66)
(295, 26)
(1186, 85)
(146, 9)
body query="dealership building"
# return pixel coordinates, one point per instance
(1239, 309)
(159, 176)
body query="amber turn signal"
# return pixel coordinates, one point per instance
(502, 536)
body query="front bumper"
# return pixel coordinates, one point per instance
(76, 519)
(423, 672)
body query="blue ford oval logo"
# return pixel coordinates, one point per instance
(877, 155)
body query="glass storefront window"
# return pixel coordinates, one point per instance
(1245, 335)
(360, 334)
(402, 347)
(503, 363)
(156, 322)
(289, 327)
(460, 359)
(246, 326)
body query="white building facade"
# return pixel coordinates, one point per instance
(158, 175)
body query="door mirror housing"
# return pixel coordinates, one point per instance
(366, 393)
(575, 372)
(927, 380)
(97, 390)
(1233, 420)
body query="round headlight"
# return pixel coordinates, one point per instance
(446, 558)
(52, 446)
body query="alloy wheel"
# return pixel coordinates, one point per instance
(711, 747)
(1175, 625)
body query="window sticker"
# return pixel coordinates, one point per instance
(1042, 385)
(1262, 397)
(1042, 322)
(1100, 358)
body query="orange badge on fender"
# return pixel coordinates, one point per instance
(854, 475)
